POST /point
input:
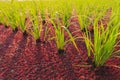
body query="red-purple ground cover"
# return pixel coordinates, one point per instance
(22, 59)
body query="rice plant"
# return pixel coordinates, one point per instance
(104, 42)
(60, 38)
(11, 15)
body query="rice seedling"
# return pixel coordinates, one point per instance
(12, 17)
(59, 36)
(104, 42)
(4, 17)
(37, 26)
(21, 19)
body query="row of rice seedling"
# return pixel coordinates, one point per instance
(105, 37)
(30, 16)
